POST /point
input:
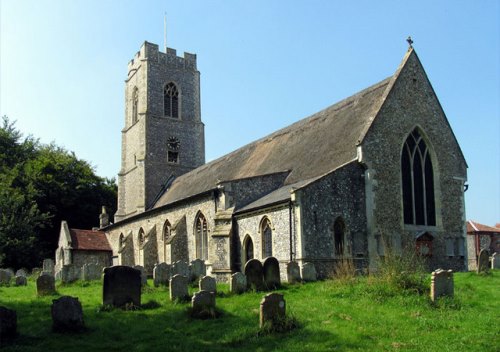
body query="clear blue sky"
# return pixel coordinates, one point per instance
(264, 64)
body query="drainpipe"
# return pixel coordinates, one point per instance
(291, 228)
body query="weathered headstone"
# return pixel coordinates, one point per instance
(8, 324)
(207, 283)
(21, 272)
(5, 277)
(45, 285)
(122, 285)
(35, 272)
(11, 272)
(272, 308)
(21, 281)
(271, 271)
(69, 273)
(91, 271)
(203, 304)
(67, 315)
(161, 274)
(48, 266)
(238, 283)
(178, 287)
(483, 261)
(495, 261)
(197, 269)
(292, 272)
(144, 277)
(308, 272)
(442, 284)
(180, 268)
(253, 272)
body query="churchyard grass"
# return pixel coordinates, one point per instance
(364, 314)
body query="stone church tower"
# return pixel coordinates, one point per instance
(163, 136)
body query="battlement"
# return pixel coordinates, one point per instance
(151, 52)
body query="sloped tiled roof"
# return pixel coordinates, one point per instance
(89, 240)
(473, 226)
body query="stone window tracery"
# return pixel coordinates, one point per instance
(171, 100)
(201, 238)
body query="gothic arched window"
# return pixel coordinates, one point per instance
(167, 231)
(141, 237)
(417, 178)
(121, 241)
(247, 249)
(135, 105)
(201, 238)
(338, 236)
(171, 100)
(267, 238)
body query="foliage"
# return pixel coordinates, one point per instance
(40, 185)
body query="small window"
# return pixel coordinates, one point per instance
(247, 249)
(201, 238)
(339, 234)
(267, 238)
(135, 105)
(142, 237)
(171, 100)
(167, 231)
(121, 241)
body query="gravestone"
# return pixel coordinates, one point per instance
(308, 272)
(48, 266)
(203, 304)
(121, 286)
(91, 271)
(5, 277)
(69, 273)
(144, 277)
(442, 284)
(178, 287)
(292, 272)
(21, 272)
(67, 315)
(11, 272)
(207, 283)
(495, 261)
(8, 324)
(254, 275)
(45, 285)
(271, 271)
(238, 283)
(197, 269)
(21, 281)
(180, 268)
(483, 264)
(161, 274)
(35, 272)
(272, 309)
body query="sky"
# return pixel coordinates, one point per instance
(264, 65)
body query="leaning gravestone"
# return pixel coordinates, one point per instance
(238, 283)
(48, 266)
(253, 272)
(203, 304)
(67, 315)
(178, 287)
(495, 261)
(5, 277)
(308, 272)
(272, 309)
(45, 285)
(8, 324)
(442, 284)
(121, 286)
(161, 274)
(207, 283)
(21, 272)
(197, 269)
(292, 272)
(180, 268)
(21, 281)
(144, 277)
(483, 261)
(91, 271)
(271, 271)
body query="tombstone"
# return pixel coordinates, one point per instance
(91, 271)
(180, 268)
(45, 285)
(21, 281)
(238, 283)
(197, 269)
(48, 266)
(272, 308)
(35, 272)
(144, 277)
(161, 274)
(495, 261)
(253, 273)
(178, 287)
(11, 272)
(292, 272)
(121, 286)
(67, 315)
(21, 272)
(203, 304)
(8, 324)
(442, 284)
(5, 277)
(207, 283)
(308, 272)
(483, 262)
(69, 273)
(271, 272)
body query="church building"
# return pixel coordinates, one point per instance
(378, 170)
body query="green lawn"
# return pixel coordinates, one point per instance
(364, 315)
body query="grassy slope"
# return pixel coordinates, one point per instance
(333, 316)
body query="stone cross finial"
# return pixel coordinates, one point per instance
(410, 41)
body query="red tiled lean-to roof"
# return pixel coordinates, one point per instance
(89, 240)
(473, 226)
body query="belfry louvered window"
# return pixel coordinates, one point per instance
(201, 237)
(417, 182)
(171, 100)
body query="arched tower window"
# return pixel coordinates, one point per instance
(267, 238)
(247, 249)
(201, 238)
(135, 105)
(171, 100)
(339, 235)
(417, 178)
(167, 231)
